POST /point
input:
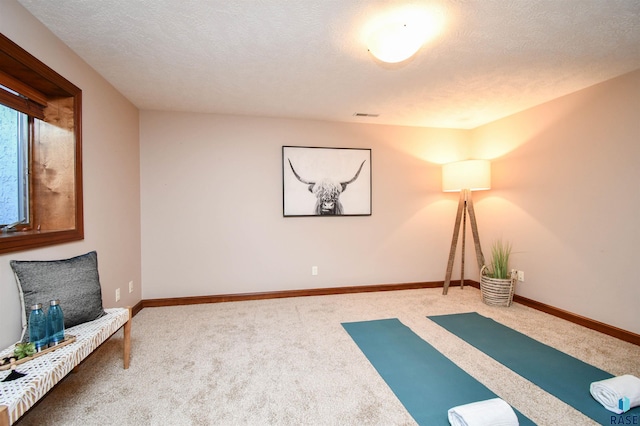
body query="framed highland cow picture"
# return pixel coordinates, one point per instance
(326, 181)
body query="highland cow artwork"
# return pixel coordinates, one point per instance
(326, 181)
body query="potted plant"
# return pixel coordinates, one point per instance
(496, 282)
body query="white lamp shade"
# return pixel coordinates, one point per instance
(395, 42)
(474, 175)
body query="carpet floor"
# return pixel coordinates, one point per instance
(290, 362)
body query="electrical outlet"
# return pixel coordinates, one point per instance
(521, 276)
(117, 294)
(314, 270)
(130, 286)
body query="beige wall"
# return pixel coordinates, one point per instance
(212, 207)
(110, 171)
(566, 192)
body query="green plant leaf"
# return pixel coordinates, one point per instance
(23, 350)
(500, 253)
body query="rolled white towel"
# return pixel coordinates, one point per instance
(492, 412)
(609, 392)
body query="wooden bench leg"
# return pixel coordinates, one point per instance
(127, 340)
(4, 416)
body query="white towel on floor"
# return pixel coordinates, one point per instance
(608, 392)
(492, 412)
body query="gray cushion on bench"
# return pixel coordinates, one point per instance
(75, 282)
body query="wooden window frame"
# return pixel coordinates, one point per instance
(25, 74)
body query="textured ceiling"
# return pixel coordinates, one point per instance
(308, 58)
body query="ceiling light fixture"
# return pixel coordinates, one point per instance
(395, 34)
(395, 42)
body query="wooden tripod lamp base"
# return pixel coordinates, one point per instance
(464, 205)
(465, 176)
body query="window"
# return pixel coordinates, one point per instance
(40, 153)
(14, 167)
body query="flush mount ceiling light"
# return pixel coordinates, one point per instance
(395, 35)
(395, 42)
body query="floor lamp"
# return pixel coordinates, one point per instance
(464, 177)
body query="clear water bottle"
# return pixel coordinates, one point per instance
(55, 323)
(38, 327)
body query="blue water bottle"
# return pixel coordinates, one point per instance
(55, 323)
(38, 327)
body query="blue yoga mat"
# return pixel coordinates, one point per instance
(425, 381)
(562, 375)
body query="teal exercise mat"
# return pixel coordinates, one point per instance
(563, 376)
(426, 382)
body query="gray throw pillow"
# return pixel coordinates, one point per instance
(74, 282)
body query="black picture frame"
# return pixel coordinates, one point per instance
(319, 181)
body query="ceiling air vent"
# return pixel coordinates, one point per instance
(364, 114)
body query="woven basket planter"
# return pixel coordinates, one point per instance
(497, 291)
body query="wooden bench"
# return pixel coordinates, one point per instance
(44, 372)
